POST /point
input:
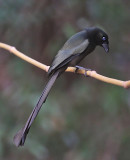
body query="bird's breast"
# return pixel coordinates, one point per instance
(81, 56)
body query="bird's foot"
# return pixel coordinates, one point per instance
(86, 69)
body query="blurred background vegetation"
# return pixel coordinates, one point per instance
(83, 118)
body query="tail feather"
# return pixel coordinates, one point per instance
(20, 137)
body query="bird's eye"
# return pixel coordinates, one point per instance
(104, 38)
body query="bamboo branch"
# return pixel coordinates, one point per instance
(125, 84)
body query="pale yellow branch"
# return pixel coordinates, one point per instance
(125, 84)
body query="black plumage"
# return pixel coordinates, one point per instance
(73, 51)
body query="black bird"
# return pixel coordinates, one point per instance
(73, 51)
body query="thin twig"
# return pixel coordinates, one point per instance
(125, 84)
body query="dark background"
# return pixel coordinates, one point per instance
(83, 118)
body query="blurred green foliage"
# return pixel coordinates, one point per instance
(82, 118)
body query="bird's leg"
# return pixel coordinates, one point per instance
(86, 69)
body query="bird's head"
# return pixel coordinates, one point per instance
(98, 37)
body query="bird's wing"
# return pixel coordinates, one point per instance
(71, 49)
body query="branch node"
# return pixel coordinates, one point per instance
(12, 49)
(47, 68)
(126, 84)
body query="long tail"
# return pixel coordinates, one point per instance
(20, 137)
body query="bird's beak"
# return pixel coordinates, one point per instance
(106, 47)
